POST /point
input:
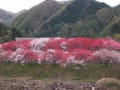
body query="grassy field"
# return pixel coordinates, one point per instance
(87, 73)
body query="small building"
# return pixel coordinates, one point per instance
(24, 38)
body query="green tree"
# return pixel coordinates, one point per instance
(116, 36)
(15, 33)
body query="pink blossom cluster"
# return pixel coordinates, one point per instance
(61, 50)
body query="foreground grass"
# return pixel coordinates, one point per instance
(87, 73)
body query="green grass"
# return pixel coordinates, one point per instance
(87, 73)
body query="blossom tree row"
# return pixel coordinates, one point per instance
(61, 50)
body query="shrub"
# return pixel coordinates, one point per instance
(109, 82)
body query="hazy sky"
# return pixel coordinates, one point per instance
(18, 5)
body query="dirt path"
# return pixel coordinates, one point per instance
(29, 84)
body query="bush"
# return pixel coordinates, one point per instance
(109, 82)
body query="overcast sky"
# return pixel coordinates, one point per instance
(18, 5)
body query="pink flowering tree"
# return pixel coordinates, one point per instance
(105, 56)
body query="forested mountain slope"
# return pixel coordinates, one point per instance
(29, 22)
(76, 18)
(6, 17)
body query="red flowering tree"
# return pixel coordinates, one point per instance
(55, 43)
(23, 44)
(9, 46)
(80, 43)
(30, 56)
(80, 54)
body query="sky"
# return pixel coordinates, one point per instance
(18, 5)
